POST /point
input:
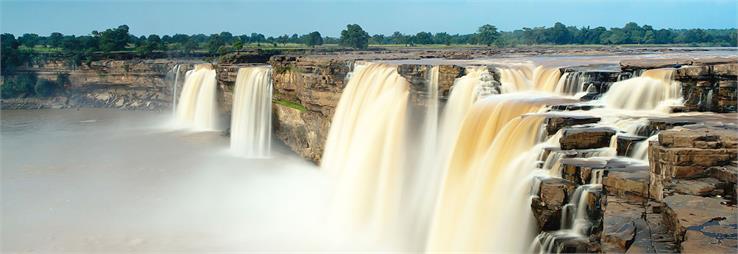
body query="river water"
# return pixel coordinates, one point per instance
(108, 180)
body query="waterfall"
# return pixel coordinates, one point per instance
(575, 220)
(640, 149)
(527, 77)
(492, 135)
(365, 146)
(652, 89)
(251, 119)
(173, 77)
(197, 106)
(425, 172)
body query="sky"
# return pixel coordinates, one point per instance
(330, 17)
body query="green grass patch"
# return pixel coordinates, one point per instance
(290, 104)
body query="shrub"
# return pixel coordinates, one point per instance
(21, 85)
(45, 88)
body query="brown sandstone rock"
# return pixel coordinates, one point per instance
(585, 138)
(701, 224)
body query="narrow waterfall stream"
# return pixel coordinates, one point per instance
(251, 119)
(198, 106)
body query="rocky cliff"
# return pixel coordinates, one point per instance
(128, 84)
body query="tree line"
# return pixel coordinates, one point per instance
(79, 48)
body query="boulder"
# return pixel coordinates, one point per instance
(630, 183)
(585, 137)
(553, 194)
(555, 123)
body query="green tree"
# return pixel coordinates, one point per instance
(487, 34)
(9, 53)
(114, 39)
(45, 87)
(313, 39)
(237, 43)
(55, 40)
(28, 40)
(189, 46)
(442, 38)
(214, 43)
(399, 38)
(423, 38)
(354, 36)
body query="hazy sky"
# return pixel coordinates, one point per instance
(329, 17)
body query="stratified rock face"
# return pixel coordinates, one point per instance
(555, 123)
(585, 137)
(688, 152)
(553, 194)
(128, 84)
(419, 76)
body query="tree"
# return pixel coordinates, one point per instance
(9, 53)
(377, 39)
(423, 38)
(399, 38)
(354, 36)
(214, 43)
(154, 42)
(114, 39)
(559, 34)
(487, 34)
(283, 39)
(237, 43)
(55, 39)
(28, 40)
(442, 38)
(189, 46)
(313, 39)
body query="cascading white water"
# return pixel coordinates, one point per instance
(197, 106)
(364, 149)
(424, 180)
(654, 88)
(251, 119)
(176, 71)
(527, 77)
(491, 136)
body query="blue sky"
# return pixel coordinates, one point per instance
(329, 17)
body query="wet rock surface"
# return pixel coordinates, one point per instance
(585, 137)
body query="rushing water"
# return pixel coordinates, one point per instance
(364, 147)
(251, 119)
(427, 175)
(653, 88)
(198, 105)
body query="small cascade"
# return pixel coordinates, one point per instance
(197, 106)
(527, 77)
(640, 149)
(365, 147)
(575, 220)
(653, 89)
(572, 83)
(173, 75)
(251, 120)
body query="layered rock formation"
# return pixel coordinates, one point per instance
(127, 84)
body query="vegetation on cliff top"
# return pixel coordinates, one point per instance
(106, 44)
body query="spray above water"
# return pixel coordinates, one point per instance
(197, 107)
(251, 120)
